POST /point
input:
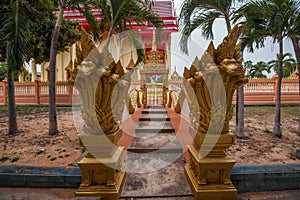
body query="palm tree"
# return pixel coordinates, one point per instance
(256, 70)
(248, 65)
(203, 13)
(52, 85)
(15, 32)
(115, 15)
(288, 63)
(279, 19)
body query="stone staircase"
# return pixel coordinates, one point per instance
(154, 162)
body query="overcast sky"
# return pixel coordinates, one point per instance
(198, 44)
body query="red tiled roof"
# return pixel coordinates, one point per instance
(164, 8)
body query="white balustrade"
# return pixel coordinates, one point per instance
(24, 89)
(289, 87)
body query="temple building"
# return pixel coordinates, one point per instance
(157, 63)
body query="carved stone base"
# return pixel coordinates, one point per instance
(106, 192)
(209, 176)
(102, 176)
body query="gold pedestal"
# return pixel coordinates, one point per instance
(102, 169)
(209, 176)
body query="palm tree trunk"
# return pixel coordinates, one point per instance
(239, 132)
(277, 122)
(12, 113)
(228, 25)
(52, 83)
(236, 110)
(297, 53)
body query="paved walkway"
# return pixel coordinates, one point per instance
(154, 161)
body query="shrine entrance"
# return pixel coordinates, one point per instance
(155, 83)
(154, 93)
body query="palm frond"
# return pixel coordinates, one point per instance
(92, 20)
(202, 14)
(205, 21)
(134, 38)
(253, 38)
(15, 29)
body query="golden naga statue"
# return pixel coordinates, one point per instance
(103, 86)
(143, 90)
(210, 84)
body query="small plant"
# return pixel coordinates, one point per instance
(54, 158)
(4, 158)
(18, 108)
(40, 151)
(238, 149)
(267, 130)
(15, 159)
(3, 108)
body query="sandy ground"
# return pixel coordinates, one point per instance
(260, 145)
(34, 147)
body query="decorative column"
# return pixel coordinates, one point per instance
(96, 77)
(143, 90)
(21, 77)
(210, 84)
(33, 71)
(43, 72)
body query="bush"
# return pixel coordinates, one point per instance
(2, 71)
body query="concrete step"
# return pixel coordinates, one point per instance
(154, 130)
(163, 151)
(156, 124)
(154, 119)
(154, 106)
(155, 141)
(152, 111)
(155, 115)
(155, 127)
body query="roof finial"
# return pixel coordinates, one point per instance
(154, 40)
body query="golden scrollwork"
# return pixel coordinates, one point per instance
(212, 79)
(138, 99)
(165, 95)
(103, 86)
(109, 97)
(172, 99)
(134, 100)
(177, 107)
(120, 94)
(169, 103)
(209, 86)
(83, 48)
(143, 89)
(131, 108)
